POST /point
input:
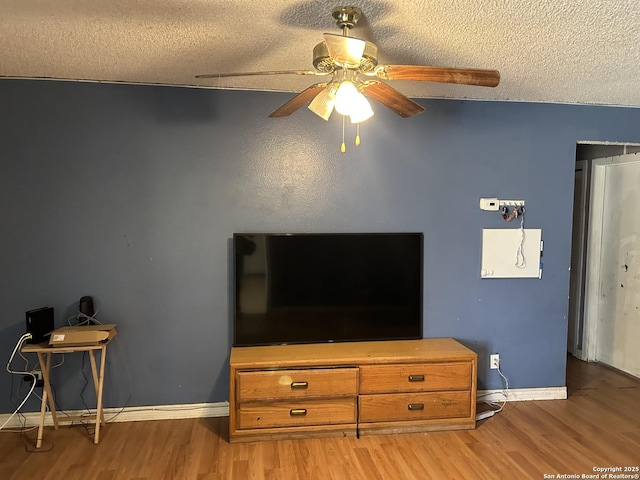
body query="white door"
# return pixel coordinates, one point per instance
(613, 271)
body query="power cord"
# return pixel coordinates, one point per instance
(126, 367)
(495, 406)
(505, 391)
(521, 261)
(23, 420)
(86, 319)
(23, 338)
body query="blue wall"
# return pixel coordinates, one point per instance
(132, 193)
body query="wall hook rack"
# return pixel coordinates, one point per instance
(494, 204)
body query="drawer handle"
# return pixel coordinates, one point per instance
(299, 385)
(416, 378)
(298, 412)
(416, 406)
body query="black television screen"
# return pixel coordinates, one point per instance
(307, 288)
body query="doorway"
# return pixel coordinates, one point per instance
(600, 325)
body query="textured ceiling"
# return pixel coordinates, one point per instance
(568, 51)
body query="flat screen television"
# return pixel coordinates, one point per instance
(311, 288)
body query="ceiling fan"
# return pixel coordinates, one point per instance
(351, 66)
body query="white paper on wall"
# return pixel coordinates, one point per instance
(503, 258)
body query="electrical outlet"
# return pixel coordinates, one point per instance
(494, 361)
(38, 375)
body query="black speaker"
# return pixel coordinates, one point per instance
(85, 307)
(39, 323)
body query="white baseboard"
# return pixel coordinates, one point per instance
(523, 394)
(130, 414)
(221, 409)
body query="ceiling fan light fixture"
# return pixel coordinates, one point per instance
(346, 96)
(360, 110)
(350, 102)
(323, 103)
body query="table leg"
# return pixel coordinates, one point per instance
(43, 409)
(103, 361)
(47, 396)
(46, 379)
(96, 381)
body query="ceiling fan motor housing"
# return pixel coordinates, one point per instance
(325, 64)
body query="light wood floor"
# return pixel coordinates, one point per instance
(598, 426)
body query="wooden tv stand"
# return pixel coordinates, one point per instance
(296, 391)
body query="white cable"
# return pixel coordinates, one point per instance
(505, 391)
(87, 319)
(26, 361)
(59, 364)
(521, 262)
(23, 338)
(498, 407)
(18, 346)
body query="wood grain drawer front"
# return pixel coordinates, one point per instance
(291, 384)
(415, 406)
(415, 377)
(291, 414)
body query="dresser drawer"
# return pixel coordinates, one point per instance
(291, 384)
(292, 414)
(414, 406)
(415, 377)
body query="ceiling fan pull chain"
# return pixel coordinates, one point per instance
(357, 134)
(343, 147)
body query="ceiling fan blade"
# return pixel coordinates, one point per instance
(299, 100)
(346, 51)
(464, 76)
(392, 98)
(268, 72)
